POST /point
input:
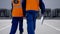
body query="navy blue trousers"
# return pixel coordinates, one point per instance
(31, 21)
(15, 21)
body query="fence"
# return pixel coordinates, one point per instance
(50, 13)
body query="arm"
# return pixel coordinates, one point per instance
(24, 4)
(42, 6)
(24, 7)
(11, 6)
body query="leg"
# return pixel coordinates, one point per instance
(14, 25)
(30, 27)
(21, 25)
(34, 19)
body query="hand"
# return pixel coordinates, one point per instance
(42, 19)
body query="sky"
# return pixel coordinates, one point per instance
(6, 4)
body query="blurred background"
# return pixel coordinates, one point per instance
(51, 23)
(52, 8)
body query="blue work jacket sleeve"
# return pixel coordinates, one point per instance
(42, 6)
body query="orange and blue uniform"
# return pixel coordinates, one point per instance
(17, 16)
(32, 8)
(17, 9)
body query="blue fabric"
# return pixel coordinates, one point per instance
(31, 21)
(42, 6)
(15, 21)
(24, 7)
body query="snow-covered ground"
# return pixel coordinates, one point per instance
(49, 27)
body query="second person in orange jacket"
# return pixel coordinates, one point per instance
(17, 16)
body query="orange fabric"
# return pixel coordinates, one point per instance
(32, 5)
(19, 4)
(17, 11)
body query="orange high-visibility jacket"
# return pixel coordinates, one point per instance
(17, 9)
(32, 5)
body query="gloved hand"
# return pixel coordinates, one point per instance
(16, 1)
(42, 19)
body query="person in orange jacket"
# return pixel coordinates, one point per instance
(32, 8)
(17, 16)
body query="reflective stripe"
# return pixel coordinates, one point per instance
(17, 6)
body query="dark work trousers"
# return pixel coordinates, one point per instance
(31, 21)
(15, 21)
